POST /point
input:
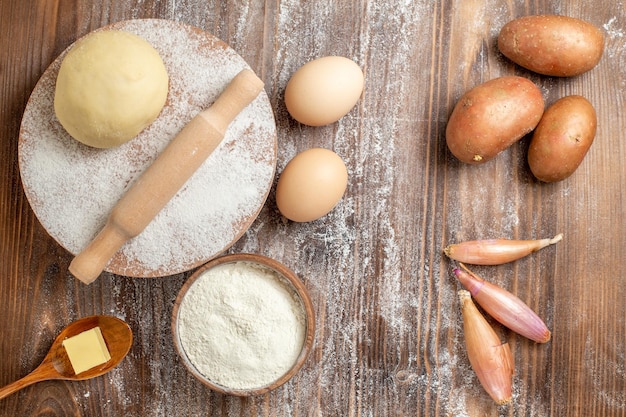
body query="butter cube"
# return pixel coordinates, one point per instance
(86, 350)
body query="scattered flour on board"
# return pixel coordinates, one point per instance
(373, 163)
(72, 188)
(609, 393)
(613, 28)
(614, 42)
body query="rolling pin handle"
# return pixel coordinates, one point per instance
(90, 263)
(243, 88)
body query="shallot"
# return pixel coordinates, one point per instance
(496, 251)
(504, 306)
(490, 358)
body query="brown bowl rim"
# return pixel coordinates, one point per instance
(299, 288)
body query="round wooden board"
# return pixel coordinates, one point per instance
(72, 187)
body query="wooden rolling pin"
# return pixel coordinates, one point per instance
(166, 175)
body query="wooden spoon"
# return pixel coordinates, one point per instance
(56, 365)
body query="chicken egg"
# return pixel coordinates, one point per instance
(324, 90)
(311, 185)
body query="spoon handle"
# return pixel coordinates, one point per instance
(42, 372)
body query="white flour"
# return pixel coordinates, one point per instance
(241, 326)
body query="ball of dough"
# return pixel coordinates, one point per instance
(110, 86)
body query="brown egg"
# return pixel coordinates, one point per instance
(311, 185)
(324, 90)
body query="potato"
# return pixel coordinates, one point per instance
(562, 138)
(491, 117)
(552, 45)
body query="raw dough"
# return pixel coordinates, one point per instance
(110, 86)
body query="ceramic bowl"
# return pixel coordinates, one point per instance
(289, 280)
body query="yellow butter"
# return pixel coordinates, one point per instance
(86, 350)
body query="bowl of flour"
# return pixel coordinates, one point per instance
(243, 324)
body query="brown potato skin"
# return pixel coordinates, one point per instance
(562, 138)
(553, 45)
(491, 117)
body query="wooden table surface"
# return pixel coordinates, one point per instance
(389, 339)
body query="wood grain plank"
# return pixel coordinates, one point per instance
(389, 339)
